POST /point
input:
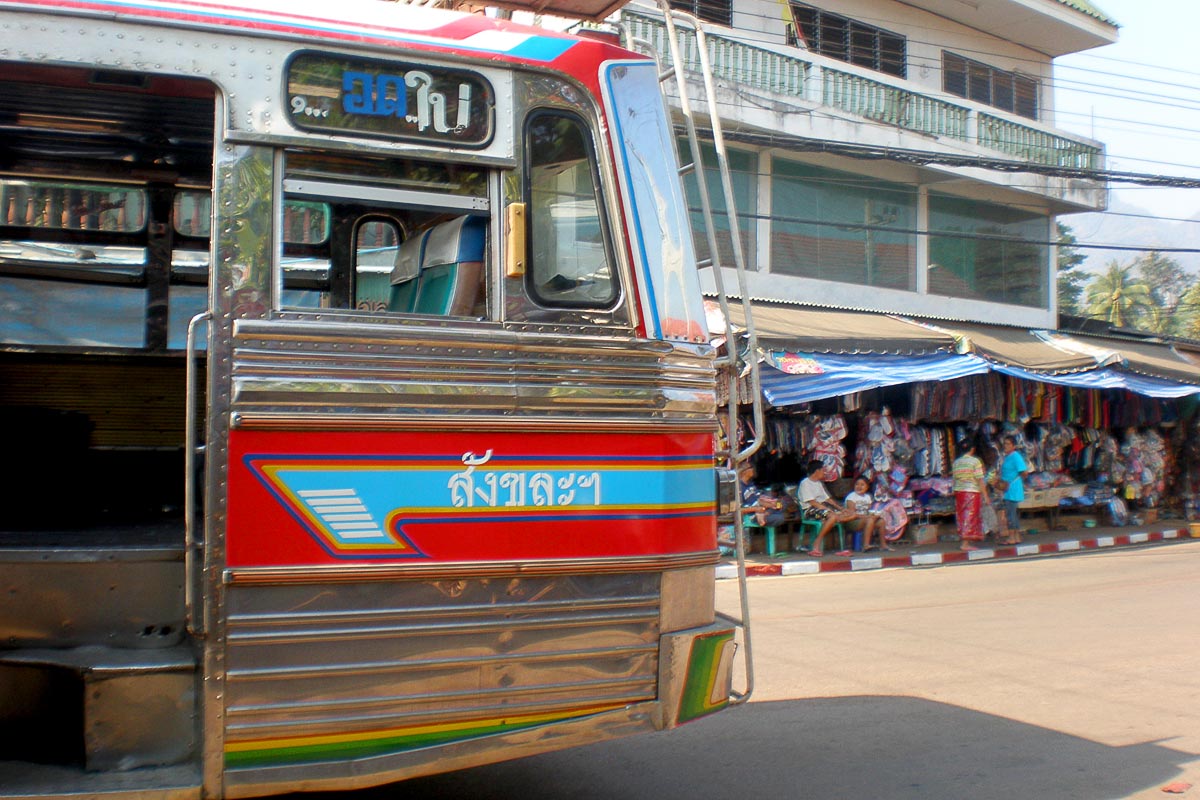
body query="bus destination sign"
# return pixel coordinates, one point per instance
(394, 100)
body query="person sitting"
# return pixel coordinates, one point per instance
(859, 501)
(764, 506)
(815, 503)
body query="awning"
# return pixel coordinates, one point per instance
(1108, 378)
(812, 330)
(845, 374)
(1026, 349)
(1153, 359)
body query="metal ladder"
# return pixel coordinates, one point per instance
(734, 363)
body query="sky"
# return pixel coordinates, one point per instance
(1141, 98)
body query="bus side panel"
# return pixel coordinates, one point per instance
(428, 497)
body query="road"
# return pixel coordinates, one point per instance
(1066, 677)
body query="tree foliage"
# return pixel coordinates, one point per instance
(1117, 297)
(1071, 279)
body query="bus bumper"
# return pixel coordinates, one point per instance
(695, 673)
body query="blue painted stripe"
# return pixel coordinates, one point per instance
(541, 48)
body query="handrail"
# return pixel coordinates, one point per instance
(195, 625)
(731, 363)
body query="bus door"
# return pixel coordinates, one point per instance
(104, 178)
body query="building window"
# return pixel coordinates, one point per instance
(743, 173)
(838, 226)
(985, 251)
(998, 88)
(848, 40)
(717, 11)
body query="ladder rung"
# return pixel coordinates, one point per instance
(688, 169)
(666, 74)
(703, 263)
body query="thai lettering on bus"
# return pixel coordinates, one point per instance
(389, 96)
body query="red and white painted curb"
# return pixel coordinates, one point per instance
(869, 562)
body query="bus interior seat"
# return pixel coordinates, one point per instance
(406, 274)
(452, 267)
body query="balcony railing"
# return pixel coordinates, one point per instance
(736, 61)
(891, 104)
(808, 78)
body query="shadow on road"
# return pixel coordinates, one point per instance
(847, 747)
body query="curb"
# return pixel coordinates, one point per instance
(873, 562)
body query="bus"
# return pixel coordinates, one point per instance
(361, 408)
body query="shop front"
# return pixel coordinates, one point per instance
(1106, 424)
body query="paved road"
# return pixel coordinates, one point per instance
(1065, 677)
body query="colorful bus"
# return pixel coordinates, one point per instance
(360, 404)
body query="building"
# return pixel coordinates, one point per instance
(872, 144)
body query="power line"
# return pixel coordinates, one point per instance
(946, 234)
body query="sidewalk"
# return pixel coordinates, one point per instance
(1042, 543)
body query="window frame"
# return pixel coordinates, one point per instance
(719, 12)
(529, 282)
(981, 83)
(846, 39)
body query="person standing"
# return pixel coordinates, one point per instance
(970, 493)
(1012, 471)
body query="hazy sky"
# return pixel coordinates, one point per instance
(1141, 97)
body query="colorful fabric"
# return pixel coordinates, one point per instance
(968, 513)
(968, 474)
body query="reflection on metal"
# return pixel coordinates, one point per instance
(311, 369)
(328, 672)
(489, 569)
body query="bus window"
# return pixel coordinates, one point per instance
(72, 264)
(570, 263)
(370, 253)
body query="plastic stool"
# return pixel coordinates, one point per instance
(815, 526)
(749, 524)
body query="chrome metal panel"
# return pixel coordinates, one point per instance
(161, 733)
(322, 659)
(244, 189)
(250, 73)
(378, 770)
(688, 598)
(91, 598)
(54, 782)
(458, 570)
(307, 369)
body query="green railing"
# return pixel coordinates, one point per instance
(771, 71)
(883, 102)
(1041, 147)
(736, 61)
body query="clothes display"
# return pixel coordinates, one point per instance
(1074, 459)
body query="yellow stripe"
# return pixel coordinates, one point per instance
(362, 736)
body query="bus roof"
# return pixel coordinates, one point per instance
(357, 22)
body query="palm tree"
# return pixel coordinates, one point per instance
(1115, 296)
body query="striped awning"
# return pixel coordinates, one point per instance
(830, 375)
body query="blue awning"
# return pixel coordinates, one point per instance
(845, 374)
(1107, 379)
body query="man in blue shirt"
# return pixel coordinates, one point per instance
(1012, 470)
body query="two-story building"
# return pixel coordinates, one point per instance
(874, 145)
(898, 175)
